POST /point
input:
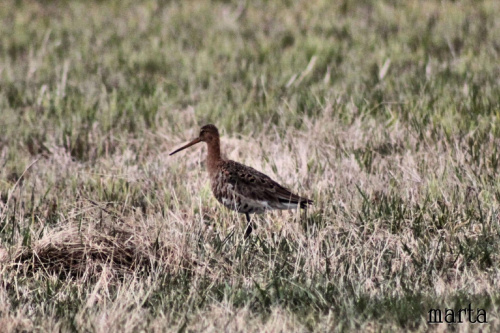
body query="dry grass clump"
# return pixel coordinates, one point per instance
(69, 250)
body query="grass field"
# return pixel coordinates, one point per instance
(385, 113)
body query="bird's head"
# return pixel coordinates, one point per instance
(208, 133)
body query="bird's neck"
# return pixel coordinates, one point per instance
(213, 156)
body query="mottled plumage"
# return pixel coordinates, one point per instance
(240, 187)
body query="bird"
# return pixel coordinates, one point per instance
(242, 188)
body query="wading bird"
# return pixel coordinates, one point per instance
(240, 187)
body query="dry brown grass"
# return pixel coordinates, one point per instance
(361, 235)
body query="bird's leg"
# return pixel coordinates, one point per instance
(308, 225)
(250, 226)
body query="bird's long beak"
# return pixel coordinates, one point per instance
(195, 141)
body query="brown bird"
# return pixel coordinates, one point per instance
(240, 187)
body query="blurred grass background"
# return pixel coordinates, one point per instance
(126, 67)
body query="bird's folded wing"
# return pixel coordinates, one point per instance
(255, 185)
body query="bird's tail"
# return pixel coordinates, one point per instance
(296, 200)
(304, 202)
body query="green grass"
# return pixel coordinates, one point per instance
(386, 113)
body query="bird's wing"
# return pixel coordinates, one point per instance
(255, 185)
